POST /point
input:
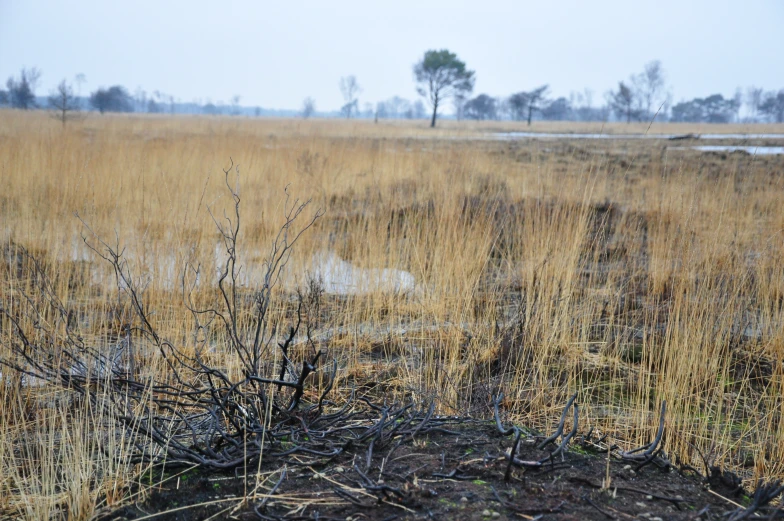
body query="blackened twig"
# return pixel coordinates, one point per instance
(496, 403)
(559, 430)
(271, 492)
(512, 455)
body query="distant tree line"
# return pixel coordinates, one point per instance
(398, 108)
(642, 97)
(441, 78)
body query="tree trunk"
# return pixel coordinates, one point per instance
(530, 112)
(435, 111)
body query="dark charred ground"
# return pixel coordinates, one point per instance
(454, 473)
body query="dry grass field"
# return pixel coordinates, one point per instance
(625, 271)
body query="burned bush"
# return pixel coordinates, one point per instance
(194, 411)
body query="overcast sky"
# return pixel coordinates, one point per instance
(274, 54)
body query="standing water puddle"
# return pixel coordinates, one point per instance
(548, 135)
(343, 278)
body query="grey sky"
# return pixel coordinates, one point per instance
(274, 54)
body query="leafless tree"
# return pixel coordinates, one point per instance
(308, 107)
(458, 102)
(80, 80)
(396, 106)
(140, 99)
(588, 97)
(584, 110)
(650, 88)
(369, 110)
(350, 89)
(235, 105)
(737, 101)
(380, 110)
(419, 109)
(64, 103)
(502, 108)
(754, 97)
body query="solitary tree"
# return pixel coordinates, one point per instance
(622, 101)
(64, 103)
(21, 91)
(350, 89)
(440, 75)
(308, 107)
(536, 98)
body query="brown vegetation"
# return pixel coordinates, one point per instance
(622, 271)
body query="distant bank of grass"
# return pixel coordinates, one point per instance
(622, 271)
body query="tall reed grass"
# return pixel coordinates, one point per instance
(625, 272)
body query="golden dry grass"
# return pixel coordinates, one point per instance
(621, 270)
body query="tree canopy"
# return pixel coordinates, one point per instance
(440, 75)
(622, 102)
(21, 91)
(773, 106)
(523, 104)
(712, 109)
(481, 107)
(113, 99)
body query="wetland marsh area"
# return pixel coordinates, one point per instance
(340, 319)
